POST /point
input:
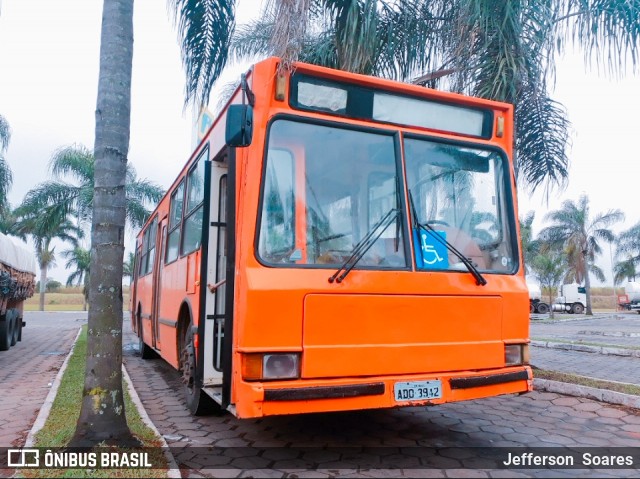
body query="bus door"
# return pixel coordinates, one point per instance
(216, 273)
(156, 292)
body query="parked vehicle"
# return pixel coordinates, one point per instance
(536, 304)
(320, 251)
(17, 283)
(572, 299)
(631, 298)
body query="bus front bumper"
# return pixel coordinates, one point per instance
(318, 395)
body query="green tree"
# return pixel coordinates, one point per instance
(628, 245)
(6, 177)
(79, 259)
(128, 266)
(43, 227)
(530, 246)
(75, 197)
(499, 49)
(549, 269)
(579, 235)
(624, 270)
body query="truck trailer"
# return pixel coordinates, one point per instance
(631, 298)
(17, 283)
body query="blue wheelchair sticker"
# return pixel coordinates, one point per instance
(430, 253)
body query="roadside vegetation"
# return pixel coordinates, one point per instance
(61, 423)
(67, 299)
(585, 381)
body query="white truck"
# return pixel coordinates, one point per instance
(536, 304)
(17, 283)
(631, 299)
(572, 298)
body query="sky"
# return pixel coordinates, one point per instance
(49, 52)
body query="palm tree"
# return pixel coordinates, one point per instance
(77, 163)
(530, 246)
(44, 227)
(549, 267)
(629, 245)
(204, 27)
(129, 265)
(79, 259)
(624, 270)
(6, 178)
(503, 50)
(579, 235)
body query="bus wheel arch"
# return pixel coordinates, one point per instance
(198, 402)
(145, 351)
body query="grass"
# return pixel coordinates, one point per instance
(60, 424)
(65, 299)
(585, 381)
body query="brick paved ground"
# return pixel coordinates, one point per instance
(267, 447)
(622, 330)
(28, 369)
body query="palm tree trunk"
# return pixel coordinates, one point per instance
(43, 285)
(587, 287)
(102, 415)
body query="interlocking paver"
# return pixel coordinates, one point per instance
(535, 419)
(28, 369)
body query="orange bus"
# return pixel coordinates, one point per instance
(339, 242)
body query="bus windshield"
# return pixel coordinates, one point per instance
(326, 186)
(324, 189)
(459, 192)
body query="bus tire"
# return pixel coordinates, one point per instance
(198, 402)
(146, 351)
(5, 341)
(577, 308)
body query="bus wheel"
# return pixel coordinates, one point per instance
(198, 402)
(146, 352)
(577, 308)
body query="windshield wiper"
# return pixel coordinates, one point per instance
(361, 248)
(480, 281)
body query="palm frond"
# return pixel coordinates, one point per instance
(608, 31)
(5, 134)
(76, 161)
(204, 30)
(541, 141)
(6, 180)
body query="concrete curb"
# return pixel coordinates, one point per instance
(43, 414)
(174, 471)
(587, 348)
(602, 395)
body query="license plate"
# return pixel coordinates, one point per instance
(417, 390)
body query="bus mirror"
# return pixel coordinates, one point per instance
(239, 128)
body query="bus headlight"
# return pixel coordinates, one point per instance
(268, 366)
(516, 354)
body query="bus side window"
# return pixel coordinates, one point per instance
(192, 228)
(276, 243)
(148, 248)
(175, 219)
